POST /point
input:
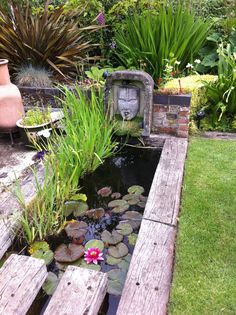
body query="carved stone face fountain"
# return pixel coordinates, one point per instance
(130, 94)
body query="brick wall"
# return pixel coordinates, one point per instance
(171, 114)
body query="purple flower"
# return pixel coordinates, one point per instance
(40, 155)
(101, 19)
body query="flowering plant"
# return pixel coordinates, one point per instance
(93, 255)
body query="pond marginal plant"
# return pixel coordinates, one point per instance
(80, 149)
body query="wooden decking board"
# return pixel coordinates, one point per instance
(147, 286)
(6, 235)
(164, 196)
(81, 291)
(21, 278)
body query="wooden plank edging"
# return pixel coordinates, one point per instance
(80, 291)
(21, 278)
(147, 285)
(164, 196)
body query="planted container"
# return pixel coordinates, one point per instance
(11, 106)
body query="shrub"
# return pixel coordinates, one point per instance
(150, 40)
(51, 39)
(222, 92)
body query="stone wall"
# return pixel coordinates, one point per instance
(171, 115)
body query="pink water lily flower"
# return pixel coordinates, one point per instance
(93, 255)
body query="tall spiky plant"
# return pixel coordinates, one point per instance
(150, 40)
(48, 39)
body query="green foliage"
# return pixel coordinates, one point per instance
(222, 93)
(33, 77)
(153, 39)
(83, 146)
(208, 54)
(36, 116)
(51, 39)
(95, 75)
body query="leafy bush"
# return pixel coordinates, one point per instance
(222, 93)
(150, 40)
(51, 39)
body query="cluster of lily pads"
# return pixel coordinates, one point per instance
(110, 252)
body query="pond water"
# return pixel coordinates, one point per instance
(130, 166)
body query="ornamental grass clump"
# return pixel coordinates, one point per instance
(149, 40)
(83, 145)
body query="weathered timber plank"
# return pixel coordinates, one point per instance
(147, 286)
(6, 235)
(164, 196)
(9, 203)
(81, 291)
(13, 160)
(21, 278)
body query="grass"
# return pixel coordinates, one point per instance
(204, 280)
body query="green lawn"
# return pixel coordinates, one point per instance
(204, 280)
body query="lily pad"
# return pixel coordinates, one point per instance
(95, 244)
(68, 253)
(104, 192)
(114, 287)
(112, 261)
(41, 250)
(116, 195)
(62, 266)
(120, 209)
(95, 213)
(81, 197)
(90, 266)
(76, 229)
(118, 251)
(50, 283)
(125, 262)
(81, 208)
(136, 189)
(111, 238)
(133, 218)
(116, 280)
(76, 207)
(132, 238)
(142, 204)
(117, 203)
(124, 228)
(143, 198)
(116, 274)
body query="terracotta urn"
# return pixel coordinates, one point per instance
(11, 106)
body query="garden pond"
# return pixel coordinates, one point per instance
(102, 225)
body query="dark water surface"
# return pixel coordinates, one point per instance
(130, 166)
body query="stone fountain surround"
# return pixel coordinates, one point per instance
(169, 115)
(148, 282)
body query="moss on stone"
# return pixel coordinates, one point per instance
(128, 127)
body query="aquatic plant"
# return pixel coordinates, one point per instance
(85, 143)
(93, 255)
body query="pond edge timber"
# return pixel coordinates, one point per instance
(148, 283)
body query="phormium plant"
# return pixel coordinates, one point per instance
(50, 39)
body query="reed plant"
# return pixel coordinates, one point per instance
(148, 41)
(83, 145)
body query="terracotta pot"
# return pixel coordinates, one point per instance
(11, 106)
